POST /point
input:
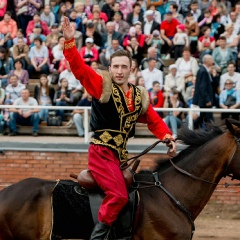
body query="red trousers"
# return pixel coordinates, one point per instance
(104, 166)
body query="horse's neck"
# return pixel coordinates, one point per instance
(207, 162)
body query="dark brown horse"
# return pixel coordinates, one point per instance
(26, 207)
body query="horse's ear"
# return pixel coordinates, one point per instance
(229, 126)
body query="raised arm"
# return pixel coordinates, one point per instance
(90, 80)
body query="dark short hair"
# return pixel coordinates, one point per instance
(121, 53)
(204, 29)
(36, 13)
(223, 38)
(151, 59)
(231, 63)
(174, 5)
(18, 61)
(186, 49)
(43, 75)
(8, 13)
(155, 82)
(38, 39)
(136, 4)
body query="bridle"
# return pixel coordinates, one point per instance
(157, 183)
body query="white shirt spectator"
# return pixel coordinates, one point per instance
(235, 78)
(73, 83)
(157, 17)
(151, 76)
(57, 52)
(196, 14)
(31, 102)
(49, 20)
(14, 92)
(148, 27)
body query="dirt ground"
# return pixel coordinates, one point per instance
(218, 222)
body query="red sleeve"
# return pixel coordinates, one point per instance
(95, 54)
(155, 124)
(125, 43)
(163, 26)
(104, 16)
(29, 28)
(90, 80)
(160, 100)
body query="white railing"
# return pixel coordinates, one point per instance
(86, 109)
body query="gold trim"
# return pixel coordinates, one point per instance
(105, 137)
(69, 45)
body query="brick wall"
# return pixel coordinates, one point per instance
(17, 165)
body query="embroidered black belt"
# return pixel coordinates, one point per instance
(116, 140)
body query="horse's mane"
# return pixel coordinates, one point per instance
(193, 139)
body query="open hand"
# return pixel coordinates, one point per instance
(68, 31)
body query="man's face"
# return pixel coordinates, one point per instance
(233, 16)
(96, 16)
(152, 63)
(14, 80)
(194, 7)
(237, 8)
(115, 44)
(110, 28)
(156, 87)
(47, 9)
(120, 70)
(222, 43)
(7, 18)
(25, 94)
(150, 18)
(117, 17)
(169, 17)
(228, 85)
(231, 68)
(152, 54)
(137, 9)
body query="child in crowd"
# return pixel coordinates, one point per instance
(207, 20)
(180, 40)
(19, 35)
(156, 41)
(37, 32)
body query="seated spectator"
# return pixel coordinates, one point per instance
(174, 10)
(235, 21)
(105, 56)
(217, 29)
(230, 99)
(77, 36)
(33, 7)
(204, 4)
(156, 14)
(99, 23)
(195, 11)
(2, 120)
(174, 119)
(52, 38)
(37, 33)
(8, 27)
(92, 33)
(74, 18)
(232, 40)
(38, 56)
(57, 52)
(150, 24)
(188, 93)
(79, 7)
(62, 13)
(135, 50)
(180, 40)
(174, 80)
(44, 94)
(19, 35)
(73, 84)
(109, 35)
(222, 11)
(21, 73)
(213, 7)
(116, 8)
(140, 81)
(156, 41)
(193, 32)
(232, 75)
(152, 74)
(69, 6)
(13, 89)
(63, 97)
(3, 8)
(121, 26)
(140, 35)
(156, 97)
(152, 53)
(187, 66)
(24, 116)
(37, 21)
(207, 19)
(6, 65)
(135, 15)
(54, 7)
(206, 43)
(222, 55)
(132, 33)
(78, 114)
(89, 52)
(94, 65)
(103, 16)
(47, 16)
(168, 30)
(227, 4)
(126, 7)
(134, 71)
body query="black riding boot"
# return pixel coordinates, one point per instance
(100, 231)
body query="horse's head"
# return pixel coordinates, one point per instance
(234, 166)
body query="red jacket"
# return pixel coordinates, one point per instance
(94, 51)
(158, 100)
(93, 83)
(31, 24)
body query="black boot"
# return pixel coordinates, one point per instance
(100, 231)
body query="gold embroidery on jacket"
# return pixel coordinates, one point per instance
(69, 45)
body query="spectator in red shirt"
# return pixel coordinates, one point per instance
(36, 21)
(103, 15)
(168, 30)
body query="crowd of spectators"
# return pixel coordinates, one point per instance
(185, 31)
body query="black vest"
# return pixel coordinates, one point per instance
(113, 123)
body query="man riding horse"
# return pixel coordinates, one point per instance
(116, 108)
